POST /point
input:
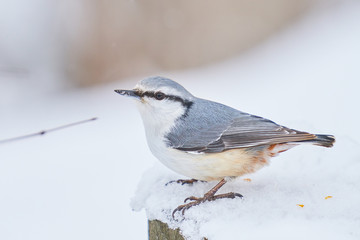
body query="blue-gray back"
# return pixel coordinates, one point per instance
(213, 127)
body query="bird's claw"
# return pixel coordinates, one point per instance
(183, 181)
(192, 198)
(227, 195)
(197, 201)
(184, 207)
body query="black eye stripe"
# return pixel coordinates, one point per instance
(152, 94)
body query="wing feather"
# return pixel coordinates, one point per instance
(227, 128)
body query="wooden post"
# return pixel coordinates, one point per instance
(161, 231)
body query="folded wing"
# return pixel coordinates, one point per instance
(212, 127)
(247, 131)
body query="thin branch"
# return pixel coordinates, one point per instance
(43, 132)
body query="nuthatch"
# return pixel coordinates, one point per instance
(206, 140)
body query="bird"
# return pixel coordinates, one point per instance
(207, 141)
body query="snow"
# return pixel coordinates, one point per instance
(77, 183)
(269, 207)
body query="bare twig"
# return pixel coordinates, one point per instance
(43, 132)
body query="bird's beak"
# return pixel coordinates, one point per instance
(128, 93)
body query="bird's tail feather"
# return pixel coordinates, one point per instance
(322, 140)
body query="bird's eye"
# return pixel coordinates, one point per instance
(159, 95)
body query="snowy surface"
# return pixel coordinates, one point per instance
(77, 183)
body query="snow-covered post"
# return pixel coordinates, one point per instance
(276, 204)
(159, 199)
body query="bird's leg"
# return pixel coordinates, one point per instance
(209, 196)
(183, 181)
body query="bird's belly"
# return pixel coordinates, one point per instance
(211, 166)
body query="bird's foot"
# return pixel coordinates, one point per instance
(183, 181)
(209, 196)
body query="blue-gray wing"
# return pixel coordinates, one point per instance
(216, 128)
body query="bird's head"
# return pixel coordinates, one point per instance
(160, 101)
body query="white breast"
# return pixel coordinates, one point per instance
(210, 166)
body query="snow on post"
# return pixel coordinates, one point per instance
(299, 196)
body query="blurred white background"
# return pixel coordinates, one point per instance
(295, 62)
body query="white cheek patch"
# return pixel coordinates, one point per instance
(160, 114)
